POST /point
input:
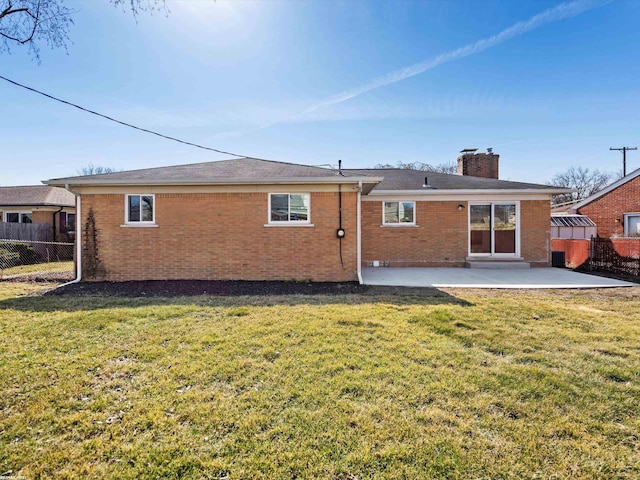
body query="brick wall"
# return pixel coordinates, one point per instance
(479, 165)
(440, 238)
(535, 232)
(611, 206)
(221, 236)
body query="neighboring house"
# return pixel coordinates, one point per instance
(254, 219)
(40, 204)
(615, 209)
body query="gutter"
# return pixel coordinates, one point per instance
(473, 191)
(359, 234)
(78, 239)
(217, 181)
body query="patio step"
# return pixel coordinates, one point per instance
(497, 264)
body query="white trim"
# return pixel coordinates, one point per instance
(359, 234)
(78, 210)
(139, 223)
(445, 197)
(59, 182)
(516, 254)
(626, 221)
(472, 191)
(288, 224)
(142, 225)
(608, 189)
(296, 223)
(399, 223)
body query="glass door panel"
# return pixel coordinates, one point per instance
(480, 228)
(504, 228)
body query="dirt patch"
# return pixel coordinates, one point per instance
(179, 288)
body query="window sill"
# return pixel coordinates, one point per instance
(143, 225)
(285, 224)
(400, 225)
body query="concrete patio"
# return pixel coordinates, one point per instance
(487, 278)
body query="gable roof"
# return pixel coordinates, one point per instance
(235, 171)
(36, 195)
(607, 189)
(396, 180)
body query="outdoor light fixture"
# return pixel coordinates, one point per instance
(460, 207)
(340, 233)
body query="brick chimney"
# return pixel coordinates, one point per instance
(478, 164)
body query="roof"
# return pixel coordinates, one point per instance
(240, 170)
(402, 180)
(36, 195)
(571, 221)
(257, 171)
(607, 189)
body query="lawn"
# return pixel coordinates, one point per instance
(465, 384)
(42, 268)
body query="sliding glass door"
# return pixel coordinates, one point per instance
(493, 229)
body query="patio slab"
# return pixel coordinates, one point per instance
(487, 278)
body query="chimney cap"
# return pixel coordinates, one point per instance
(468, 150)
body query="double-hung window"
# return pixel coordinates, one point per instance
(18, 217)
(139, 209)
(399, 213)
(289, 208)
(632, 224)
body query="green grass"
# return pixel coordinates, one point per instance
(476, 384)
(48, 267)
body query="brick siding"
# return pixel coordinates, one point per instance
(612, 206)
(221, 236)
(440, 238)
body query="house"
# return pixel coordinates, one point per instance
(614, 209)
(255, 219)
(40, 204)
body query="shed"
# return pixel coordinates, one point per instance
(572, 226)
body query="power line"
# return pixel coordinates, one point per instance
(624, 151)
(125, 123)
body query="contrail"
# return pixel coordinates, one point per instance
(560, 12)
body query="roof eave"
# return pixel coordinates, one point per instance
(2, 205)
(472, 191)
(68, 182)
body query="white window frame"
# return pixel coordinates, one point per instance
(142, 223)
(493, 203)
(19, 212)
(306, 223)
(626, 221)
(399, 223)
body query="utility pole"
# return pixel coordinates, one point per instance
(624, 157)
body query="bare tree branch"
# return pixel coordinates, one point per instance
(450, 167)
(585, 182)
(37, 22)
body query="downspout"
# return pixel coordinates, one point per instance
(54, 223)
(78, 238)
(358, 234)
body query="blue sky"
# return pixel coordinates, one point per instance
(547, 84)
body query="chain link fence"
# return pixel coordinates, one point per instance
(32, 260)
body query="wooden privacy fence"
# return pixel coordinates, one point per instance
(619, 256)
(38, 232)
